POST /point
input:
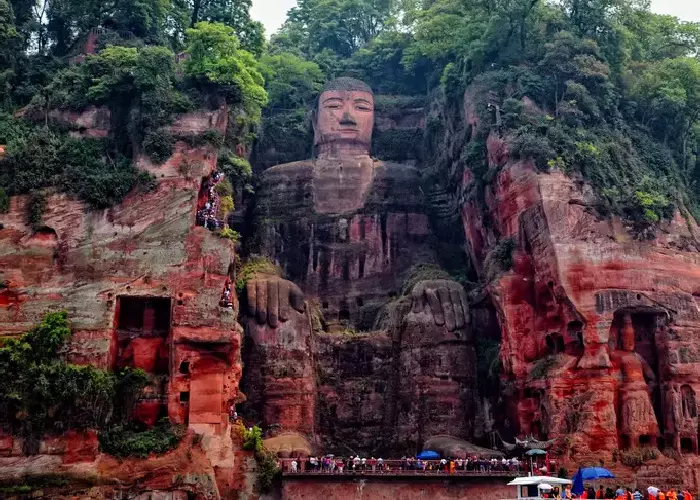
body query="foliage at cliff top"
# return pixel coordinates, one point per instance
(602, 89)
(47, 394)
(131, 68)
(215, 54)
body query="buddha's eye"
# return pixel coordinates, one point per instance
(363, 107)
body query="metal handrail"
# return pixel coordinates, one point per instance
(402, 467)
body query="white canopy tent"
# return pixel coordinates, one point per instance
(524, 484)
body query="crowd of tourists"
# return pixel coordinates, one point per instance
(619, 493)
(206, 215)
(334, 465)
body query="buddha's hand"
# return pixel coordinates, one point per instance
(446, 300)
(271, 299)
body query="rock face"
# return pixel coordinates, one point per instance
(355, 350)
(599, 329)
(142, 285)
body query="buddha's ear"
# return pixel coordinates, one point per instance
(314, 126)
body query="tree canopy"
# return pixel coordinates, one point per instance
(597, 88)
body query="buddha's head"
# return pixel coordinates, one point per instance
(344, 118)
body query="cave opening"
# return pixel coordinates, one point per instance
(687, 445)
(554, 343)
(624, 442)
(144, 315)
(660, 443)
(487, 334)
(142, 326)
(689, 405)
(574, 338)
(645, 440)
(344, 313)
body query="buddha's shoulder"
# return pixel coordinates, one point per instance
(393, 170)
(297, 170)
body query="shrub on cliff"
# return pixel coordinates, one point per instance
(252, 439)
(90, 169)
(49, 395)
(500, 259)
(130, 441)
(237, 170)
(268, 470)
(158, 145)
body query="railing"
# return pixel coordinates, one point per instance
(433, 468)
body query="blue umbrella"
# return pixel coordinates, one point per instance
(595, 473)
(577, 487)
(428, 455)
(588, 473)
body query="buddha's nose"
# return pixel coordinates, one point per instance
(347, 119)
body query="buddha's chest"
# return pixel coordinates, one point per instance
(340, 187)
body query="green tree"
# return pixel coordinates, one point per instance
(215, 55)
(341, 26)
(289, 80)
(235, 14)
(9, 46)
(669, 96)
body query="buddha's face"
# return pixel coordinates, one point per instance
(345, 117)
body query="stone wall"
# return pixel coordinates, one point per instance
(391, 489)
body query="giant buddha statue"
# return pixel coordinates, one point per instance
(348, 231)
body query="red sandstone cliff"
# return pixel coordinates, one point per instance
(142, 285)
(599, 329)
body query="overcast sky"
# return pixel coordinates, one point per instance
(272, 13)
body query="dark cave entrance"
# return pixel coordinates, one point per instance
(554, 343)
(574, 333)
(687, 445)
(144, 315)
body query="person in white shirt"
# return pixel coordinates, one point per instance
(356, 462)
(294, 465)
(380, 463)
